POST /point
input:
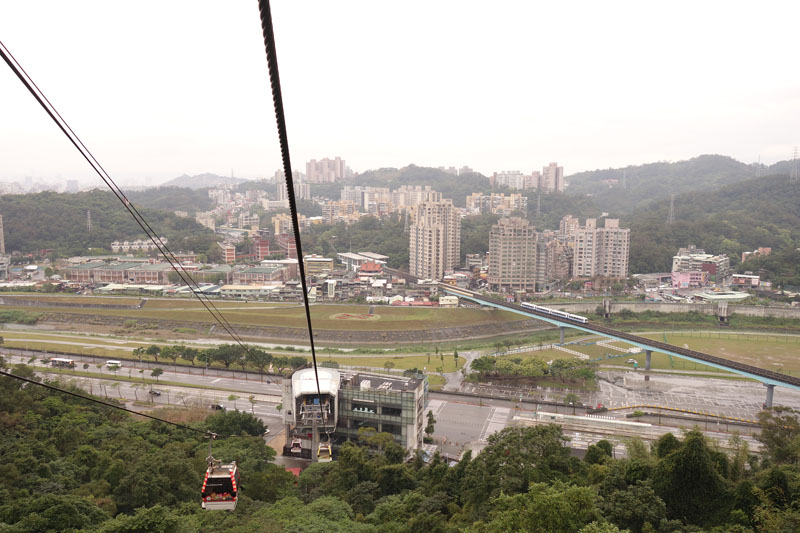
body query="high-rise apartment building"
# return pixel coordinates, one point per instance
(302, 190)
(552, 179)
(601, 251)
(327, 170)
(569, 225)
(512, 255)
(498, 204)
(434, 240)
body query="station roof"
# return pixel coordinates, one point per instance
(304, 382)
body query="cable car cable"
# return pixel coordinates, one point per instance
(280, 118)
(50, 109)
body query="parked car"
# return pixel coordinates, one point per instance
(217, 407)
(631, 361)
(154, 392)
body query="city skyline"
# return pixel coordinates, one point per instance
(613, 88)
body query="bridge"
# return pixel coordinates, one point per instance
(768, 377)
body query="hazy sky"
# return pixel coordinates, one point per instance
(161, 88)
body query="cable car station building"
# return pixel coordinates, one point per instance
(349, 401)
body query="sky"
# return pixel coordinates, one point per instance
(158, 89)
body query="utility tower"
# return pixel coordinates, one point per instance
(671, 215)
(88, 221)
(794, 175)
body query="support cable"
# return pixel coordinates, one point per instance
(50, 109)
(277, 99)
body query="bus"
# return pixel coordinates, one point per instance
(60, 362)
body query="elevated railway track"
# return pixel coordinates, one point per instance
(767, 377)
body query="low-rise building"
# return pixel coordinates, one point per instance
(316, 264)
(690, 278)
(691, 258)
(157, 273)
(259, 274)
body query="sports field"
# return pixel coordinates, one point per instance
(328, 317)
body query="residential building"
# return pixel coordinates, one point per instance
(512, 255)
(412, 195)
(207, 220)
(302, 190)
(689, 278)
(259, 274)
(553, 261)
(497, 203)
(138, 245)
(434, 240)
(247, 221)
(513, 179)
(316, 264)
(692, 258)
(289, 264)
(228, 253)
(745, 255)
(601, 251)
(552, 179)
(569, 226)
(327, 170)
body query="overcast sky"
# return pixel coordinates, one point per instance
(161, 88)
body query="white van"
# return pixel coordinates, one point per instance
(117, 364)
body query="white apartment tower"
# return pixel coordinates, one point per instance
(552, 179)
(434, 247)
(602, 251)
(512, 255)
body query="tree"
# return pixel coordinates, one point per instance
(252, 400)
(153, 351)
(780, 434)
(188, 354)
(259, 359)
(429, 426)
(233, 398)
(227, 354)
(688, 482)
(553, 508)
(172, 353)
(235, 423)
(634, 507)
(388, 365)
(156, 372)
(573, 400)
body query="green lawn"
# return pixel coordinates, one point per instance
(328, 317)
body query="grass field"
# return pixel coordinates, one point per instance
(328, 317)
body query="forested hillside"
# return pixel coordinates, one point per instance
(203, 181)
(72, 465)
(173, 199)
(657, 180)
(456, 188)
(731, 220)
(57, 221)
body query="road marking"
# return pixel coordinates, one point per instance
(495, 422)
(216, 380)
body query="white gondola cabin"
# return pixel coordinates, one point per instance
(221, 487)
(297, 446)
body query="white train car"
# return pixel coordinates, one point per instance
(555, 312)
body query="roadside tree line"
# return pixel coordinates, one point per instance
(227, 355)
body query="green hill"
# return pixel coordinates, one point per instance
(731, 219)
(657, 180)
(57, 221)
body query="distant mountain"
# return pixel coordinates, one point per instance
(202, 181)
(623, 189)
(172, 199)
